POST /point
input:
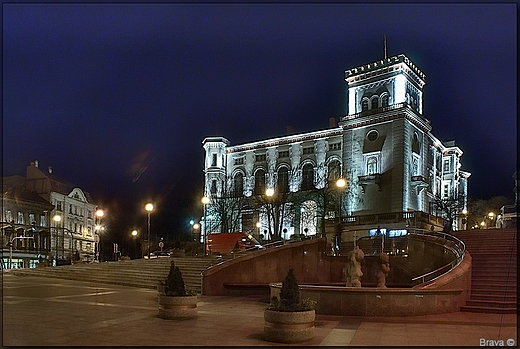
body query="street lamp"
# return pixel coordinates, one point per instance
(97, 246)
(205, 201)
(258, 226)
(269, 192)
(134, 235)
(57, 220)
(149, 208)
(340, 183)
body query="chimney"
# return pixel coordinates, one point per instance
(332, 122)
(50, 169)
(290, 130)
(34, 163)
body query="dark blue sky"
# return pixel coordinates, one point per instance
(118, 97)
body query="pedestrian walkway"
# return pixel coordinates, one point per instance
(40, 311)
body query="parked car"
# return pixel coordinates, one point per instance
(158, 254)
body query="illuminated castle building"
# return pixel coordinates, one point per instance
(395, 169)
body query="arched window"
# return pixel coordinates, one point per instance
(364, 105)
(308, 177)
(416, 146)
(259, 182)
(384, 100)
(283, 180)
(371, 165)
(238, 185)
(334, 171)
(374, 102)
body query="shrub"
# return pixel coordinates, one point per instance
(290, 297)
(174, 285)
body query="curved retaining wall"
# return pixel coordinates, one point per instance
(307, 258)
(444, 295)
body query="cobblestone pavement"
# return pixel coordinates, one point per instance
(40, 311)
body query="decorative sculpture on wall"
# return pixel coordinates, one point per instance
(384, 268)
(353, 271)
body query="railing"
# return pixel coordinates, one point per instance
(408, 217)
(452, 243)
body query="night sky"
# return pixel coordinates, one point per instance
(117, 98)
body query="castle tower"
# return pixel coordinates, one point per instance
(214, 165)
(388, 82)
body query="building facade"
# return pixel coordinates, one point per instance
(395, 169)
(25, 239)
(72, 219)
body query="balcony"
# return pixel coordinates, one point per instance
(419, 183)
(374, 178)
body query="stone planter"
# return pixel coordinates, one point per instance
(177, 307)
(288, 327)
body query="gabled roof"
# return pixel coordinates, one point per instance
(21, 194)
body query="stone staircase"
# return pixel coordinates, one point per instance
(493, 277)
(137, 272)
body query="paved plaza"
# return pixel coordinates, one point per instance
(39, 311)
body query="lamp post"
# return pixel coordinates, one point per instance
(269, 192)
(98, 227)
(134, 235)
(57, 220)
(195, 228)
(258, 226)
(205, 201)
(491, 216)
(149, 208)
(340, 184)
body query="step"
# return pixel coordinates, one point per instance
(490, 303)
(492, 286)
(495, 292)
(488, 297)
(490, 310)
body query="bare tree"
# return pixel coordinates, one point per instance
(450, 207)
(226, 209)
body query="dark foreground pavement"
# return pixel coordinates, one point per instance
(40, 311)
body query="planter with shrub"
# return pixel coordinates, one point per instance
(289, 320)
(174, 301)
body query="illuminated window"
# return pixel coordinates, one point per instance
(238, 184)
(20, 218)
(446, 167)
(308, 150)
(43, 221)
(372, 165)
(283, 180)
(259, 182)
(8, 216)
(375, 102)
(384, 100)
(307, 177)
(364, 105)
(335, 146)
